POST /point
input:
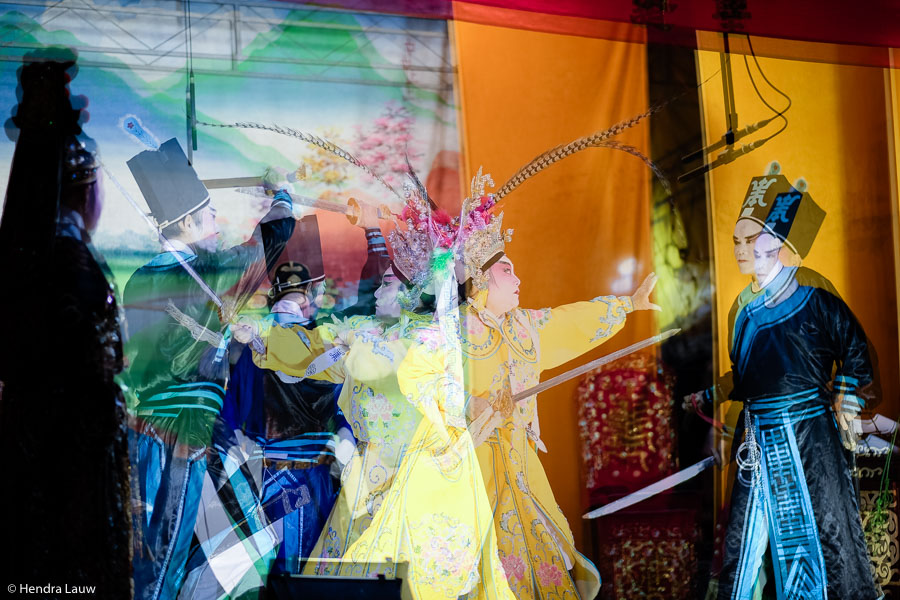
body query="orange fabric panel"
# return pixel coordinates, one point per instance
(535, 21)
(578, 224)
(613, 23)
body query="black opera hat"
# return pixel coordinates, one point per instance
(301, 263)
(169, 183)
(785, 210)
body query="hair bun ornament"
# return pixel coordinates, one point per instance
(79, 164)
(774, 168)
(801, 185)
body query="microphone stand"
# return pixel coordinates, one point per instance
(731, 119)
(728, 93)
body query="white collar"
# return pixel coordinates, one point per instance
(485, 315)
(178, 246)
(772, 274)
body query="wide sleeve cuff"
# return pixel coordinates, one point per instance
(845, 387)
(282, 197)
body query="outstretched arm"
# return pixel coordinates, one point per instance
(377, 262)
(293, 349)
(571, 330)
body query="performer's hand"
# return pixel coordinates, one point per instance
(362, 214)
(343, 340)
(368, 216)
(693, 403)
(484, 426)
(244, 330)
(345, 446)
(275, 179)
(849, 428)
(711, 448)
(846, 411)
(641, 297)
(475, 407)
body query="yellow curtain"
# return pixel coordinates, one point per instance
(892, 83)
(837, 138)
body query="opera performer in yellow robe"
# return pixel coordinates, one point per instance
(413, 493)
(436, 516)
(383, 422)
(504, 349)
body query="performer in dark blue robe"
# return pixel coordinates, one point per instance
(794, 493)
(296, 421)
(177, 354)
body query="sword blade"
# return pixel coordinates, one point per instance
(297, 199)
(554, 381)
(232, 182)
(252, 186)
(344, 209)
(652, 489)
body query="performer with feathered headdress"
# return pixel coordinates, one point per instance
(497, 347)
(413, 493)
(504, 350)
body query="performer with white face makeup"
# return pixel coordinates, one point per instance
(767, 265)
(178, 367)
(793, 495)
(747, 230)
(387, 306)
(302, 436)
(505, 349)
(412, 492)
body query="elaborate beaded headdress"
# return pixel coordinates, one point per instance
(79, 164)
(480, 237)
(426, 228)
(476, 236)
(412, 246)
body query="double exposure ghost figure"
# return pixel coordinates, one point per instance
(177, 354)
(63, 439)
(793, 494)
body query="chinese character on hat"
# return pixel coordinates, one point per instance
(785, 210)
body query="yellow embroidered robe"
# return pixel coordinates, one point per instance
(413, 492)
(383, 422)
(506, 357)
(436, 517)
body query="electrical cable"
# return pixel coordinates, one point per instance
(766, 79)
(777, 113)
